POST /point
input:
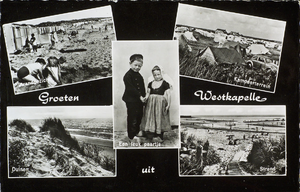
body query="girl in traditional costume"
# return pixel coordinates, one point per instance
(156, 118)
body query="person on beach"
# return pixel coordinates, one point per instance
(52, 70)
(32, 72)
(52, 40)
(32, 42)
(134, 95)
(156, 118)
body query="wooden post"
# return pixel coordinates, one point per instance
(199, 155)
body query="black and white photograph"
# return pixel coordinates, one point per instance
(146, 94)
(60, 50)
(233, 140)
(229, 48)
(149, 96)
(60, 142)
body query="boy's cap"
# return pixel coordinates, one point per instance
(135, 57)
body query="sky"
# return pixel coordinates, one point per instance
(232, 110)
(62, 112)
(88, 13)
(245, 24)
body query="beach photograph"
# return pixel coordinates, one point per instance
(52, 142)
(233, 140)
(229, 48)
(60, 50)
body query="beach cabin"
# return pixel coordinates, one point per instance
(16, 35)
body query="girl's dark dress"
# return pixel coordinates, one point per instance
(156, 118)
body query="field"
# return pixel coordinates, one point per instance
(88, 55)
(229, 149)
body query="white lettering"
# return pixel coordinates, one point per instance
(227, 97)
(44, 98)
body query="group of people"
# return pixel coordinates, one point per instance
(147, 108)
(31, 44)
(42, 72)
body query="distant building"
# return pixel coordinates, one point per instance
(221, 31)
(220, 36)
(233, 36)
(234, 33)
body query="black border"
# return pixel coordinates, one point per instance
(155, 21)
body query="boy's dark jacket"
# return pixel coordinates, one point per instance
(134, 86)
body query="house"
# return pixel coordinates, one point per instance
(232, 36)
(270, 45)
(216, 55)
(234, 33)
(205, 33)
(221, 31)
(220, 35)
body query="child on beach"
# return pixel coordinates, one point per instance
(52, 40)
(33, 43)
(156, 119)
(32, 72)
(41, 72)
(52, 70)
(134, 95)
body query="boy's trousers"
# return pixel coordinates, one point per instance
(134, 118)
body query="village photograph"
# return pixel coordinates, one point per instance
(52, 142)
(233, 140)
(229, 48)
(146, 94)
(60, 50)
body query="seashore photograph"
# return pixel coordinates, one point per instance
(52, 142)
(232, 140)
(229, 48)
(60, 50)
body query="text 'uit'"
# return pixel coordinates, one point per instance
(148, 170)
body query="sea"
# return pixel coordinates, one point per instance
(267, 123)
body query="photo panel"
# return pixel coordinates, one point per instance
(233, 140)
(229, 48)
(60, 142)
(60, 50)
(153, 121)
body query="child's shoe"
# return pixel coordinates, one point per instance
(157, 140)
